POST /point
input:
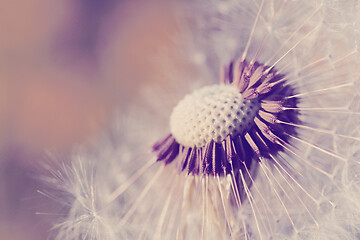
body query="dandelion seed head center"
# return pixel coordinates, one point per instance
(212, 113)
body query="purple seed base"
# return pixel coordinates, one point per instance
(265, 137)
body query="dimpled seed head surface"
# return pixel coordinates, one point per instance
(211, 113)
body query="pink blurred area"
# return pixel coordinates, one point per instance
(64, 67)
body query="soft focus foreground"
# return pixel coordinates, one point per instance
(63, 66)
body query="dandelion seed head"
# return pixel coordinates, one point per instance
(211, 113)
(217, 128)
(84, 215)
(291, 172)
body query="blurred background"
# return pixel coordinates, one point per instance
(64, 67)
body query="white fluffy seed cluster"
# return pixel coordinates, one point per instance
(211, 113)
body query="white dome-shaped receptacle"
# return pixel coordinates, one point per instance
(211, 113)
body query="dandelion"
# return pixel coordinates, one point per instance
(270, 152)
(76, 188)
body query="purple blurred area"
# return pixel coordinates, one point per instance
(64, 66)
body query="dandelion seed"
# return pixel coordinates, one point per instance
(267, 153)
(236, 144)
(76, 189)
(220, 129)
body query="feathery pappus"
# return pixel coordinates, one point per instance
(262, 144)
